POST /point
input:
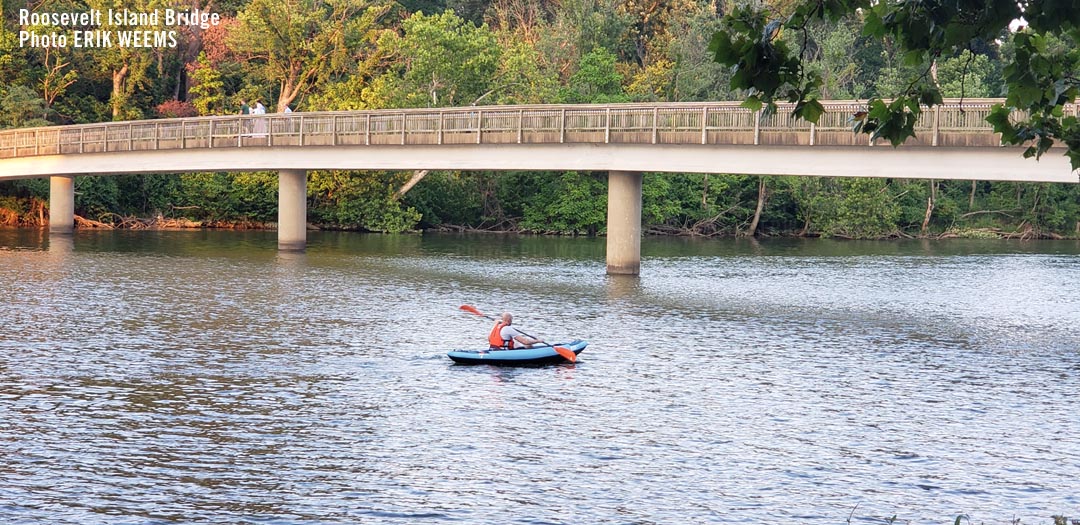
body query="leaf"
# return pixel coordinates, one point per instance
(930, 96)
(877, 109)
(723, 49)
(999, 119)
(914, 57)
(873, 26)
(753, 103)
(809, 110)
(1074, 158)
(1045, 143)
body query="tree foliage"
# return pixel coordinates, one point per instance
(208, 88)
(298, 44)
(437, 60)
(1039, 80)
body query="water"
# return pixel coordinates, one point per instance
(203, 377)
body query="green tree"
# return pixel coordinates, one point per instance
(299, 44)
(596, 79)
(147, 194)
(12, 57)
(571, 202)
(448, 197)
(522, 76)
(207, 87)
(437, 60)
(97, 197)
(128, 67)
(659, 203)
(57, 74)
(696, 75)
(857, 208)
(582, 26)
(229, 197)
(830, 49)
(22, 107)
(360, 200)
(653, 82)
(966, 75)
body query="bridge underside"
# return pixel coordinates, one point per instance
(907, 162)
(624, 162)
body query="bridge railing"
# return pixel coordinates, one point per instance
(708, 123)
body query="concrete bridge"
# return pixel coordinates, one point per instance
(953, 141)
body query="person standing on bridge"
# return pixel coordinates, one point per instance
(244, 108)
(260, 124)
(504, 337)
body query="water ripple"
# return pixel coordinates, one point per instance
(209, 379)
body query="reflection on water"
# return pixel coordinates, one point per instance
(622, 286)
(60, 244)
(152, 377)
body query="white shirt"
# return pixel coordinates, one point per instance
(509, 332)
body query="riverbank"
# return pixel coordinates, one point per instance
(575, 203)
(161, 223)
(37, 217)
(843, 222)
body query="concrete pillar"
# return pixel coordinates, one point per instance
(292, 210)
(624, 223)
(61, 204)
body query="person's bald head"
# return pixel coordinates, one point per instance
(507, 318)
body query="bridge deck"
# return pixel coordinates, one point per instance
(712, 123)
(78, 148)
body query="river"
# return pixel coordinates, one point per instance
(202, 377)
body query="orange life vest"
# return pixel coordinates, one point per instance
(495, 339)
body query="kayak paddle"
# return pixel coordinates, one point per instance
(561, 350)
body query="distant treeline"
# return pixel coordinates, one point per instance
(314, 55)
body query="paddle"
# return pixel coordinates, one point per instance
(561, 350)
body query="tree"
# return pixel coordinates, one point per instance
(363, 200)
(651, 25)
(966, 75)
(21, 107)
(584, 25)
(522, 77)
(58, 74)
(207, 87)
(1039, 79)
(571, 202)
(438, 60)
(299, 44)
(830, 53)
(596, 80)
(128, 66)
(696, 75)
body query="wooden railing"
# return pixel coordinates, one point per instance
(708, 123)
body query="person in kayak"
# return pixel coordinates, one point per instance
(504, 337)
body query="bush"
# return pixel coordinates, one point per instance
(175, 109)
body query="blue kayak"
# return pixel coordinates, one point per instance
(540, 355)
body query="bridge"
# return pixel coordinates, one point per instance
(953, 141)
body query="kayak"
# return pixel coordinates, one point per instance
(541, 355)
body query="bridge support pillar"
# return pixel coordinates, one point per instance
(292, 210)
(61, 204)
(624, 223)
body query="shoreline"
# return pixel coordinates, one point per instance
(162, 224)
